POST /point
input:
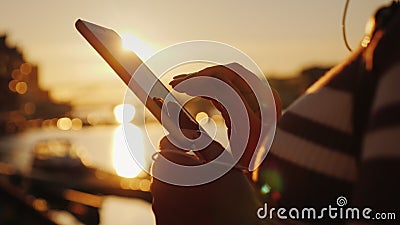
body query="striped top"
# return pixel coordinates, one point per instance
(342, 137)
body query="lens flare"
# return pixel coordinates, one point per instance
(143, 50)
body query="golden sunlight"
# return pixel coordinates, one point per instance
(123, 162)
(202, 118)
(124, 113)
(143, 50)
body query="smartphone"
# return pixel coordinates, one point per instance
(145, 85)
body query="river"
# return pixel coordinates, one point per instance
(101, 145)
(104, 148)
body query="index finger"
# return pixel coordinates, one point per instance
(231, 74)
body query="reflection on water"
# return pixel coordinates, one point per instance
(123, 161)
(104, 148)
(128, 148)
(108, 148)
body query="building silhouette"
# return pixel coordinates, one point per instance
(23, 103)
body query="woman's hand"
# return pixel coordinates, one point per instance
(231, 199)
(228, 75)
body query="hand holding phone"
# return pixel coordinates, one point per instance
(145, 85)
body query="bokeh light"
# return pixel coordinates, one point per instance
(124, 113)
(12, 84)
(40, 204)
(21, 87)
(16, 74)
(25, 68)
(76, 124)
(64, 123)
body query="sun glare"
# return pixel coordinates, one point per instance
(143, 50)
(124, 113)
(124, 164)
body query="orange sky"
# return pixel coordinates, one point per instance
(281, 36)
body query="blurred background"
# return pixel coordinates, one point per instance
(63, 158)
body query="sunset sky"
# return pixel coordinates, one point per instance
(281, 36)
